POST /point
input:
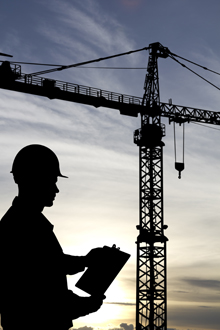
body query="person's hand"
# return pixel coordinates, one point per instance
(84, 305)
(94, 257)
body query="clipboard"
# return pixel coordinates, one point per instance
(97, 278)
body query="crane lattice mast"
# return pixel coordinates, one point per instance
(151, 301)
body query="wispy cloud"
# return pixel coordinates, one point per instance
(126, 326)
(203, 283)
(83, 328)
(87, 32)
(121, 303)
(89, 24)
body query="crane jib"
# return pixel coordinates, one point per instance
(128, 105)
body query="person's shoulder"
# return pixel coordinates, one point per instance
(11, 220)
(6, 217)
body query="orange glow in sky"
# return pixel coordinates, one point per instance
(131, 3)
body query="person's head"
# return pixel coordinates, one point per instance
(36, 170)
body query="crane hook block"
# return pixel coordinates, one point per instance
(179, 167)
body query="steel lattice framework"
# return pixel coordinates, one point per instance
(151, 309)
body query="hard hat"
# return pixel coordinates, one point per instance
(36, 160)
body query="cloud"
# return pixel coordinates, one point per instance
(125, 326)
(89, 25)
(202, 283)
(190, 316)
(120, 303)
(87, 32)
(83, 328)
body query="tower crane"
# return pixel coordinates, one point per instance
(151, 281)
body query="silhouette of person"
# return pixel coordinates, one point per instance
(33, 268)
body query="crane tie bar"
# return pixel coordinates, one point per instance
(87, 62)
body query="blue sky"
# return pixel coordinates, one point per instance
(98, 204)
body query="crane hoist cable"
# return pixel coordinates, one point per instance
(179, 166)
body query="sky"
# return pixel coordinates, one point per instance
(98, 203)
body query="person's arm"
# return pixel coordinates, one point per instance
(73, 264)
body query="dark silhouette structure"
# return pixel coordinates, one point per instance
(33, 285)
(151, 299)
